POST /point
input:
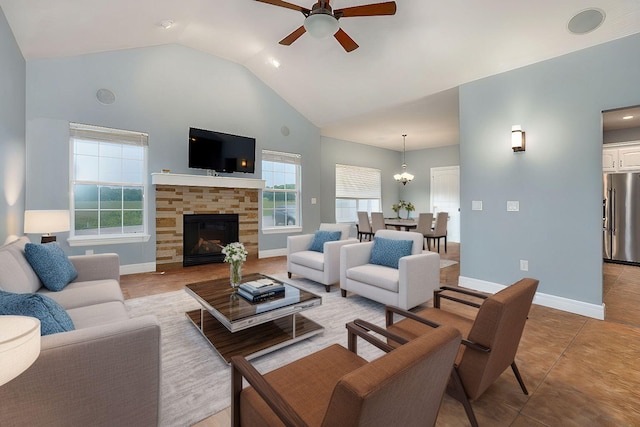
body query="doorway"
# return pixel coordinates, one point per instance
(445, 197)
(621, 140)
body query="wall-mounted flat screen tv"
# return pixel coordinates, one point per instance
(221, 152)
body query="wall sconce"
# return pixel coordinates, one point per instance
(517, 138)
(46, 222)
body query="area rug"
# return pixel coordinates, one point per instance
(447, 262)
(196, 380)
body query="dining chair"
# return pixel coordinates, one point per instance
(377, 222)
(336, 387)
(439, 231)
(364, 226)
(490, 340)
(425, 222)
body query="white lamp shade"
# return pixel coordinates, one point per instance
(46, 221)
(321, 25)
(19, 345)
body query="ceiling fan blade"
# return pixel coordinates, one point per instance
(292, 6)
(386, 8)
(293, 36)
(347, 42)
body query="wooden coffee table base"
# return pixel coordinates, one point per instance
(257, 340)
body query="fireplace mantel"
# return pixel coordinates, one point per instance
(205, 181)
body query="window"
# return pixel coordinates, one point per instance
(357, 189)
(108, 185)
(281, 196)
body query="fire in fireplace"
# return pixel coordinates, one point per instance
(205, 235)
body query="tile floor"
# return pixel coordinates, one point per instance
(579, 371)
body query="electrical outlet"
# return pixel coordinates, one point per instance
(524, 265)
(88, 252)
(513, 206)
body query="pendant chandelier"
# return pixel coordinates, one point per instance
(405, 176)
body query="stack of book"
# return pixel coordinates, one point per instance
(261, 290)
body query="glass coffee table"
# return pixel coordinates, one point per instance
(234, 326)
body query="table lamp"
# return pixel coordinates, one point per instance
(46, 222)
(19, 345)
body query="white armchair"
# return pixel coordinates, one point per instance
(322, 267)
(407, 286)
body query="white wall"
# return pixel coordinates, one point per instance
(558, 180)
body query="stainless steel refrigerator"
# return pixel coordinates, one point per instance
(621, 217)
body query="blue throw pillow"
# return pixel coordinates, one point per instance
(321, 237)
(388, 252)
(53, 318)
(50, 264)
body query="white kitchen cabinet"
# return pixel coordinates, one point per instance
(621, 157)
(609, 159)
(629, 158)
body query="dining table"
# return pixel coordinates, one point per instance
(401, 224)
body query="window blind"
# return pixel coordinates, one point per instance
(356, 182)
(102, 134)
(280, 157)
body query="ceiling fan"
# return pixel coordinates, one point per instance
(322, 21)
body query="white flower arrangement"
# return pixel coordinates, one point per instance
(234, 253)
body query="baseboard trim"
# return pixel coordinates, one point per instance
(270, 253)
(137, 268)
(560, 303)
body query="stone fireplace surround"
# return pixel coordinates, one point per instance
(178, 194)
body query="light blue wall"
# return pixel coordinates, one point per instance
(419, 163)
(162, 91)
(354, 154)
(558, 180)
(12, 135)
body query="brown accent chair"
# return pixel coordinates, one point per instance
(336, 387)
(490, 341)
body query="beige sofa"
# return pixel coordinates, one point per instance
(106, 372)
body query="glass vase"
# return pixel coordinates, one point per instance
(235, 274)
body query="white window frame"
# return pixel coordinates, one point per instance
(116, 136)
(359, 184)
(288, 158)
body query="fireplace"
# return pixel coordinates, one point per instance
(205, 235)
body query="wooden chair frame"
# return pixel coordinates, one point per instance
(241, 368)
(456, 387)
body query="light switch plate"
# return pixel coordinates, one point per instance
(513, 206)
(314, 201)
(476, 205)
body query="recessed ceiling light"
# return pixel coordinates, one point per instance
(586, 21)
(627, 118)
(166, 24)
(274, 62)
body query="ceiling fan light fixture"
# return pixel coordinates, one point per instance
(321, 25)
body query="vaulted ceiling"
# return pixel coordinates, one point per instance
(402, 79)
